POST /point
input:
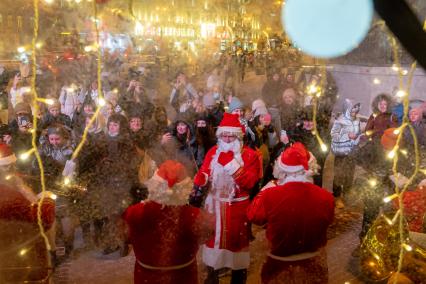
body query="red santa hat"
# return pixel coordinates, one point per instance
(7, 156)
(230, 124)
(170, 184)
(294, 159)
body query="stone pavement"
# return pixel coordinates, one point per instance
(92, 267)
(342, 267)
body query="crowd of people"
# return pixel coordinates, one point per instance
(167, 184)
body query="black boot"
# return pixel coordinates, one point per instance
(212, 276)
(87, 236)
(239, 276)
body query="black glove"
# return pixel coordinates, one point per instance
(197, 196)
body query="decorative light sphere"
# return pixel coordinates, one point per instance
(327, 28)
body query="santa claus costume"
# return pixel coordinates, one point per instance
(164, 231)
(24, 254)
(297, 214)
(229, 170)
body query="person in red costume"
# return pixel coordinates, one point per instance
(164, 231)
(297, 214)
(24, 254)
(229, 171)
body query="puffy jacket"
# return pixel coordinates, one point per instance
(341, 144)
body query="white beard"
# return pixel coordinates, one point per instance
(223, 184)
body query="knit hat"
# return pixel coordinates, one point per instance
(259, 107)
(389, 138)
(55, 104)
(230, 124)
(209, 100)
(22, 108)
(170, 184)
(235, 104)
(294, 159)
(7, 156)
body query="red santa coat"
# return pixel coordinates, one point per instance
(165, 240)
(297, 215)
(229, 246)
(24, 255)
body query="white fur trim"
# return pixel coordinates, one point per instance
(8, 160)
(159, 191)
(295, 178)
(283, 175)
(220, 258)
(229, 129)
(289, 169)
(232, 166)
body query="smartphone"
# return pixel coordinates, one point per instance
(23, 121)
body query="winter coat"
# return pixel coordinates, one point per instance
(271, 92)
(182, 95)
(289, 117)
(24, 252)
(166, 236)
(341, 144)
(185, 152)
(54, 158)
(420, 130)
(69, 101)
(378, 122)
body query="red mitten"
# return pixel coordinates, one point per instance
(200, 179)
(225, 158)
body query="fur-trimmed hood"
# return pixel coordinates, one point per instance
(381, 97)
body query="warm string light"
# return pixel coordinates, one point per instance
(101, 100)
(46, 101)
(392, 221)
(35, 120)
(389, 198)
(313, 89)
(406, 124)
(24, 156)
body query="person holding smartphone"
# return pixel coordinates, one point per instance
(17, 91)
(21, 137)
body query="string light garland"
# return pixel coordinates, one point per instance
(35, 100)
(315, 92)
(400, 193)
(101, 100)
(396, 234)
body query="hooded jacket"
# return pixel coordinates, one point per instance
(183, 151)
(341, 144)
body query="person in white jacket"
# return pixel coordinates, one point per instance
(69, 99)
(345, 135)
